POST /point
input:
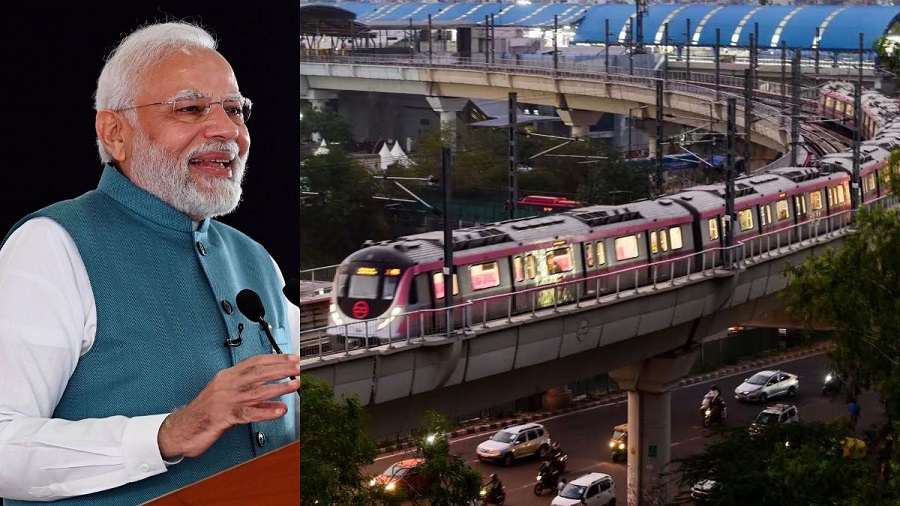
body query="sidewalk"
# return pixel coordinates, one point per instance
(583, 402)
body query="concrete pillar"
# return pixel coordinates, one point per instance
(648, 383)
(447, 108)
(319, 98)
(579, 121)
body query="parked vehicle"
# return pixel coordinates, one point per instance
(767, 384)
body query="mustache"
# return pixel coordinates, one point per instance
(229, 147)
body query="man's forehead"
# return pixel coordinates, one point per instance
(197, 72)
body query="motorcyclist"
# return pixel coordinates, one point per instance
(549, 474)
(556, 457)
(494, 487)
(714, 402)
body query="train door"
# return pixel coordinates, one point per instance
(800, 216)
(782, 222)
(486, 283)
(595, 266)
(438, 319)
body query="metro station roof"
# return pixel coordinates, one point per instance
(839, 26)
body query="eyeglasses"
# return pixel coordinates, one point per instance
(196, 109)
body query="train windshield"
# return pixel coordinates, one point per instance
(363, 287)
(373, 283)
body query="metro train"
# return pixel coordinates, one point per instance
(376, 289)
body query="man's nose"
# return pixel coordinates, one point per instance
(219, 123)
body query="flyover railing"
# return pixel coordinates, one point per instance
(599, 289)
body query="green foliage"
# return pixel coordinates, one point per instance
(327, 123)
(453, 482)
(810, 469)
(334, 446)
(616, 182)
(856, 290)
(889, 52)
(343, 214)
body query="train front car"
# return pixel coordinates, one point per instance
(371, 290)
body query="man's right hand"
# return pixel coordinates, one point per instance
(237, 395)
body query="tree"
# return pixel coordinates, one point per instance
(343, 212)
(889, 52)
(794, 463)
(334, 446)
(453, 482)
(328, 124)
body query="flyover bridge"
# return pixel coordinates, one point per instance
(582, 93)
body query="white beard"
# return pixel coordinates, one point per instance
(159, 172)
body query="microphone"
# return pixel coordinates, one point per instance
(292, 291)
(251, 306)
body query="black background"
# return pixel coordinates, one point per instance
(52, 56)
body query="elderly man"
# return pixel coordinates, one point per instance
(127, 369)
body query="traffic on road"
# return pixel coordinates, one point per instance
(584, 436)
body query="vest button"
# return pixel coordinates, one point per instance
(226, 306)
(261, 438)
(201, 248)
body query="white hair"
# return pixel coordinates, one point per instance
(136, 54)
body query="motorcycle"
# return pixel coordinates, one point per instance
(833, 385)
(547, 478)
(557, 459)
(713, 411)
(493, 495)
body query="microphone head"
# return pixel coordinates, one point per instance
(250, 305)
(292, 291)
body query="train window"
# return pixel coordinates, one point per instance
(663, 241)
(839, 194)
(654, 242)
(627, 247)
(848, 109)
(390, 286)
(559, 260)
(486, 275)
(589, 253)
(781, 209)
(800, 204)
(342, 285)
(363, 286)
(869, 182)
(675, 238)
(815, 200)
(745, 218)
(438, 278)
(530, 267)
(765, 215)
(713, 228)
(519, 269)
(601, 255)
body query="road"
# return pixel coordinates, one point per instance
(584, 435)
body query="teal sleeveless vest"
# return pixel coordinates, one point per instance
(165, 297)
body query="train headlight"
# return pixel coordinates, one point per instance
(387, 321)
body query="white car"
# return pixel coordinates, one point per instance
(592, 489)
(767, 384)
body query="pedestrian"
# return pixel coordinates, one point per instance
(853, 409)
(127, 369)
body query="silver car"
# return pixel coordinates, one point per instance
(767, 384)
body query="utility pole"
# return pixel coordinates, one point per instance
(430, 39)
(816, 61)
(795, 106)
(640, 9)
(555, 49)
(665, 51)
(513, 155)
(783, 76)
(412, 46)
(718, 47)
(687, 48)
(857, 132)
(659, 137)
(606, 44)
(729, 183)
(493, 39)
(748, 116)
(448, 239)
(631, 48)
(487, 39)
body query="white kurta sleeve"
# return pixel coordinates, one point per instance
(48, 321)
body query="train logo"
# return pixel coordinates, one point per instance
(360, 310)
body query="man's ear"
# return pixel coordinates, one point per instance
(114, 132)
